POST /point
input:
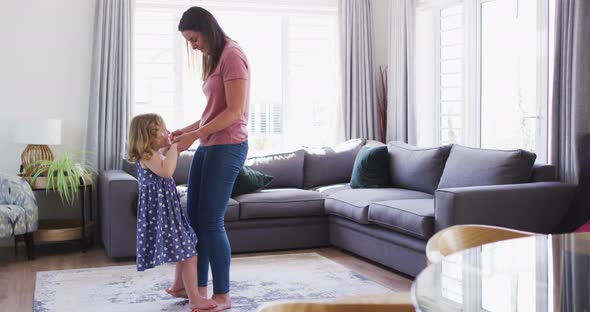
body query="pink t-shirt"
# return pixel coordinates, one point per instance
(232, 65)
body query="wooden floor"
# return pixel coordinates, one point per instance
(17, 275)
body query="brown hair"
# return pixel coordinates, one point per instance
(201, 20)
(143, 129)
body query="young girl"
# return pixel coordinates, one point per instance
(163, 233)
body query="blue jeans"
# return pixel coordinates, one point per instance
(211, 178)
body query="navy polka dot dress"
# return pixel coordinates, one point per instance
(163, 233)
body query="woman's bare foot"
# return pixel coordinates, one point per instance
(178, 293)
(223, 302)
(203, 291)
(203, 304)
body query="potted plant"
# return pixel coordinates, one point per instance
(62, 174)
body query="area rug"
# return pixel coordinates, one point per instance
(254, 281)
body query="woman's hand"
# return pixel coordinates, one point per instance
(186, 140)
(176, 133)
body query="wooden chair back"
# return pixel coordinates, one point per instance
(460, 237)
(392, 302)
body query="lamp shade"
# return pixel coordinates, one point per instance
(40, 132)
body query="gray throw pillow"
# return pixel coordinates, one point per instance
(469, 166)
(330, 165)
(416, 168)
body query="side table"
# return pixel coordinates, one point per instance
(52, 230)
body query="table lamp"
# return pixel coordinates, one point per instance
(37, 134)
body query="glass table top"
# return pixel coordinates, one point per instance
(538, 273)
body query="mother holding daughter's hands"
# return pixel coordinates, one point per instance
(223, 135)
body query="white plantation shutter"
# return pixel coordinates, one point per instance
(483, 72)
(451, 74)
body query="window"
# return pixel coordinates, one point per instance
(482, 72)
(513, 60)
(292, 48)
(451, 278)
(502, 289)
(439, 63)
(451, 73)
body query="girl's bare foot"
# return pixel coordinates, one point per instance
(178, 293)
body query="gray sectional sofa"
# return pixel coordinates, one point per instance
(309, 203)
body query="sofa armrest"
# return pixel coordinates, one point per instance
(118, 208)
(536, 207)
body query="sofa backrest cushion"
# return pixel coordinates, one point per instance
(286, 168)
(543, 173)
(330, 165)
(373, 143)
(180, 175)
(416, 168)
(468, 166)
(183, 166)
(130, 168)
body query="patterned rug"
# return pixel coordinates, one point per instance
(254, 281)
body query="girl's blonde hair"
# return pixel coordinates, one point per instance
(143, 129)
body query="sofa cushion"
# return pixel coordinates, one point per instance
(330, 165)
(280, 203)
(543, 173)
(249, 180)
(328, 190)
(411, 216)
(286, 168)
(468, 166)
(183, 166)
(130, 168)
(353, 204)
(414, 168)
(371, 168)
(373, 143)
(231, 214)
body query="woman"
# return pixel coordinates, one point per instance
(222, 131)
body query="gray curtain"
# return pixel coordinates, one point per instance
(571, 86)
(401, 125)
(360, 93)
(111, 89)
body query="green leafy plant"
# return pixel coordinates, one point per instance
(64, 175)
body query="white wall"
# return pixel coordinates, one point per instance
(45, 63)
